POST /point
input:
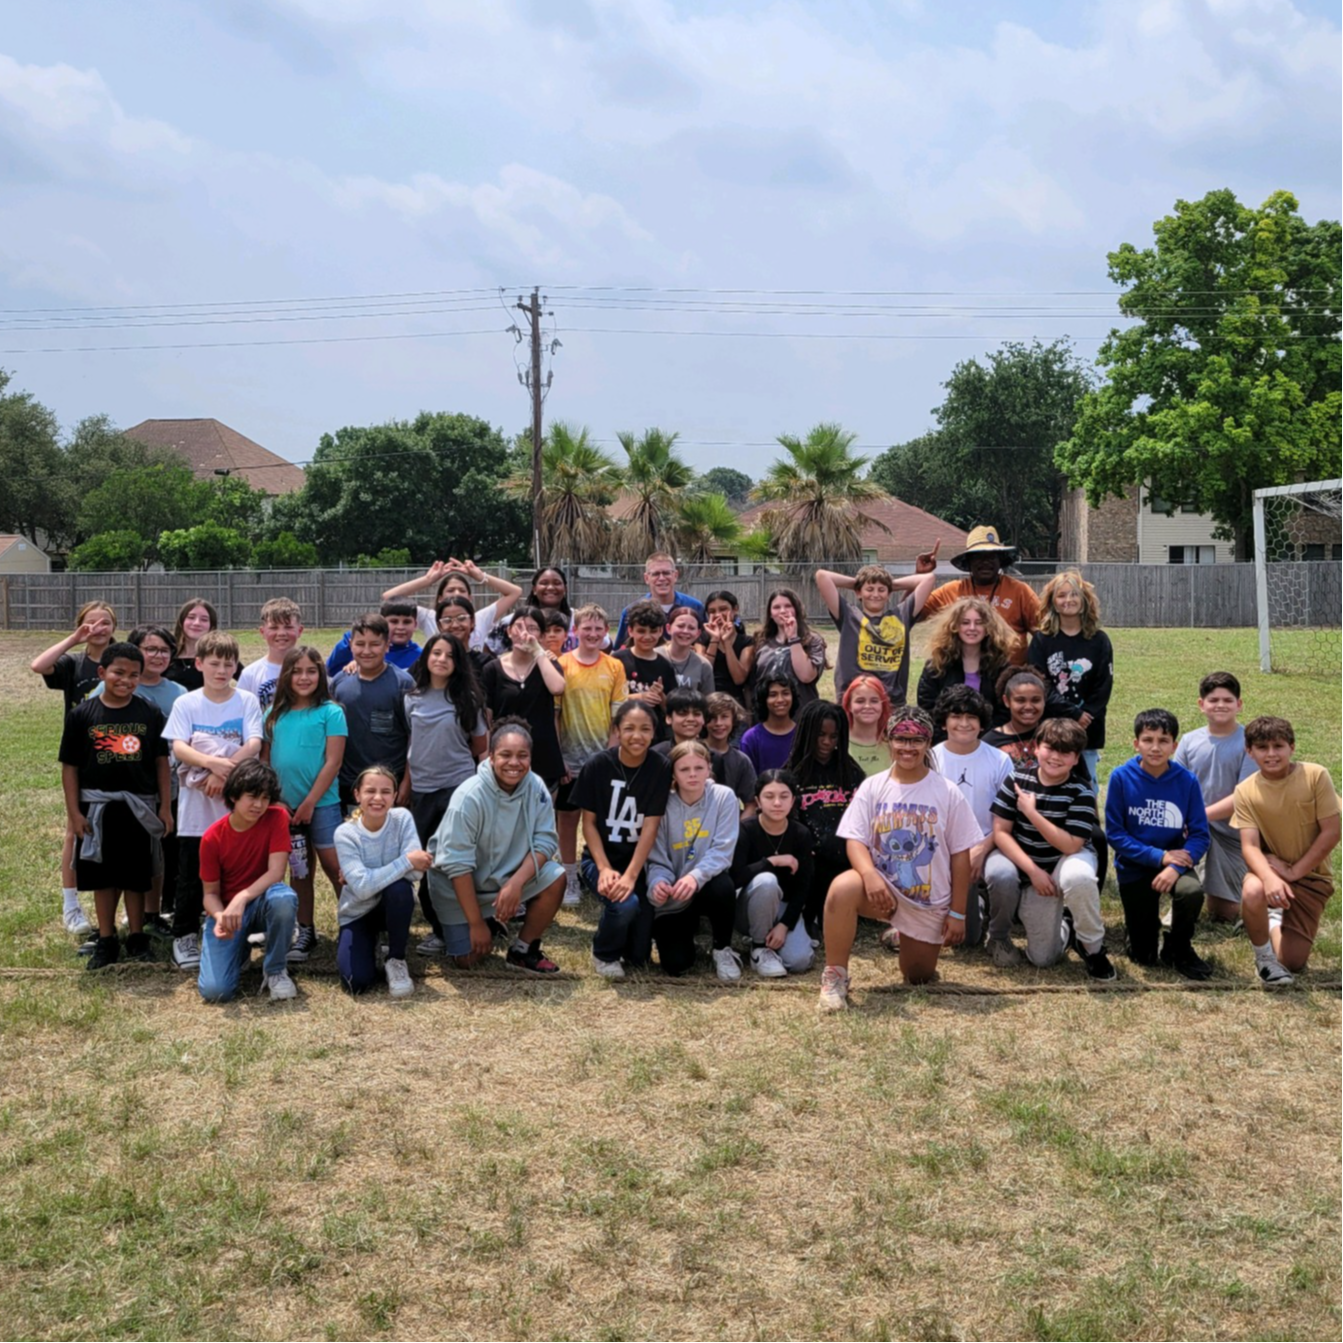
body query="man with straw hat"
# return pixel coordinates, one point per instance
(984, 559)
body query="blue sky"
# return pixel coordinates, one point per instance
(944, 175)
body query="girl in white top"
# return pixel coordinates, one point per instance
(452, 578)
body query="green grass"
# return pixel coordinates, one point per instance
(580, 1160)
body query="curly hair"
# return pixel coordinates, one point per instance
(944, 641)
(1091, 607)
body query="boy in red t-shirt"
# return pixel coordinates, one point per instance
(242, 864)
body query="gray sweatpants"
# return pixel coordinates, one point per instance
(759, 904)
(1010, 894)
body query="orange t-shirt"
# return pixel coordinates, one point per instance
(1014, 600)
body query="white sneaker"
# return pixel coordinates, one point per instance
(727, 964)
(573, 891)
(76, 922)
(766, 963)
(399, 982)
(834, 988)
(433, 945)
(1274, 975)
(280, 987)
(187, 952)
(608, 969)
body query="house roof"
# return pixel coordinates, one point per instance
(209, 446)
(912, 531)
(6, 542)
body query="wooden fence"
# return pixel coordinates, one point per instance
(1201, 596)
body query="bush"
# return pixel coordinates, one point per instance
(286, 551)
(208, 546)
(386, 558)
(110, 552)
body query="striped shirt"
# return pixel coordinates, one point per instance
(1070, 805)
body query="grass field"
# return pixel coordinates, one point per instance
(1007, 1155)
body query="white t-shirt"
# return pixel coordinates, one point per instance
(912, 830)
(260, 678)
(427, 623)
(213, 729)
(978, 775)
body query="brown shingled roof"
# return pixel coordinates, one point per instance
(912, 531)
(209, 446)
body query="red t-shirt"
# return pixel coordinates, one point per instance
(236, 858)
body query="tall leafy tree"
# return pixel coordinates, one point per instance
(655, 479)
(1228, 380)
(578, 482)
(818, 489)
(706, 527)
(735, 486)
(31, 465)
(147, 500)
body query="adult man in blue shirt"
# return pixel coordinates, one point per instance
(660, 573)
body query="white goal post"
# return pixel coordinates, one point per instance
(1297, 545)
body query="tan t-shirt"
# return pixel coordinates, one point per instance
(1014, 600)
(1287, 812)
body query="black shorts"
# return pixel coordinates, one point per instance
(128, 854)
(566, 798)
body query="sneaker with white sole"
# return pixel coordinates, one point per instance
(766, 963)
(834, 988)
(257, 939)
(399, 982)
(76, 922)
(187, 952)
(1274, 975)
(727, 964)
(1004, 952)
(573, 891)
(280, 987)
(608, 969)
(433, 945)
(303, 945)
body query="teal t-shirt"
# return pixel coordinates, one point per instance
(298, 750)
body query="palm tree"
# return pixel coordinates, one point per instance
(578, 481)
(705, 527)
(654, 481)
(818, 488)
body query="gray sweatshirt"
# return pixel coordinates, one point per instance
(698, 840)
(370, 861)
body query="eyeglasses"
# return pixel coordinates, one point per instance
(150, 651)
(455, 620)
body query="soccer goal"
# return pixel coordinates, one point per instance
(1298, 559)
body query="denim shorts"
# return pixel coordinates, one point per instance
(322, 827)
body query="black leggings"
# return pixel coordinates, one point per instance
(674, 934)
(189, 905)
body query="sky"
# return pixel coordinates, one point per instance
(746, 218)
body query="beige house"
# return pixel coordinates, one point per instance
(18, 555)
(1138, 528)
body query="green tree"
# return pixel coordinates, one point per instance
(734, 486)
(578, 482)
(147, 500)
(705, 528)
(1228, 380)
(285, 551)
(31, 464)
(207, 546)
(232, 502)
(655, 480)
(818, 489)
(110, 552)
(389, 557)
(432, 485)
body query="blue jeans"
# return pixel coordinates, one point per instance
(1092, 760)
(624, 931)
(222, 959)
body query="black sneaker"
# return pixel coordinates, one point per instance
(1185, 961)
(305, 942)
(498, 928)
(157, 926)
(1099, 965)
(1070, 942)
(137, 947)
(534, 961)
(107, 952)
(88, 946)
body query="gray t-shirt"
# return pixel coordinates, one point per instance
(693, 673)
(440, 751)
(375, 713)
(1219, 764)
(875, 646)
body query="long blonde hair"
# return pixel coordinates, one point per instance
(1091, 607)
(944, 643)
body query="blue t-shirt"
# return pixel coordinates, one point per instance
(375, 712)
(403, 655)
(298, 751)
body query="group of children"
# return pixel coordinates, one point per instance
(466, 766)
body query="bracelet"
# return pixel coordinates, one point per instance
(951, 914)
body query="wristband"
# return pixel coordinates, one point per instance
(951, 914)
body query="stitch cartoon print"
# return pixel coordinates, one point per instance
(906, 841)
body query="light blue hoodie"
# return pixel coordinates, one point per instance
(489, 833)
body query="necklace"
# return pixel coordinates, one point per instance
(778, 839)
(624, 770)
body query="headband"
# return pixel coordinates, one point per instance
(909, 727)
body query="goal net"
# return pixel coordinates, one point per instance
(1298, 559)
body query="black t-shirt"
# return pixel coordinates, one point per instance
(722, 677)
(751, 859)
(75, 675)
(643, 674)
(115, 749)
(533, 702)
(622, 798)
(823, 800)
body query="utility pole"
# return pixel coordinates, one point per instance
(532, 309)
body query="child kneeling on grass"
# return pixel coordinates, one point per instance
(909, 835)
(495, 853)
(1043, 868)
(380, 862)
(1288, 818)
(242, 861)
